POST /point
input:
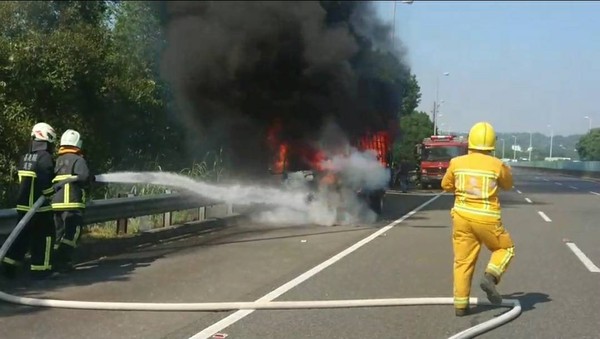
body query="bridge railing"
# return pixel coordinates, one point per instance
(121, 209)
(577, 168)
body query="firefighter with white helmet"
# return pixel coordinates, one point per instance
(35, 171)
(475, 180)
(69, 202)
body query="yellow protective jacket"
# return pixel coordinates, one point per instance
(475, 179)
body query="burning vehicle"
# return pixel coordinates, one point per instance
(282, 71)
(326, 169)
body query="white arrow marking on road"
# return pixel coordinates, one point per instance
(528, 200)
(544, 216)
(583, 258)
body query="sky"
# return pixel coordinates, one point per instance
(519, 65)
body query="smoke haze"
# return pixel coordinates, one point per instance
(235, 67)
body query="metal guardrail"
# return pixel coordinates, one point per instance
(581, 168)
(121, 209)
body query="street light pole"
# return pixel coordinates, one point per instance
(502, 148)
(515, 148)
(551, 139)
(394, 27)
(530, 144)
(436, 103)
(590, 122)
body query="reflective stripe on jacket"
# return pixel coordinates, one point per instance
(475, 179)
(71, 195)
(36, 170)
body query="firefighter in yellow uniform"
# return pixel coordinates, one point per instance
(475, 180)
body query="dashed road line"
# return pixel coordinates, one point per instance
(573, 187)
(558, 183)
(240, 314)
(594, 193)
(544, 216)
(519, 192)
(583, 258)
(546, 179)
(528, 200)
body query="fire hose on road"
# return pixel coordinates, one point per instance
(257, 305)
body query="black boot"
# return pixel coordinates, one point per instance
(62, 259)
(9, 271)
(40, 275)
(461, 312)
(488, 285)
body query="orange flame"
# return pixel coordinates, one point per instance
(278, 147)
(285, 153)
(378, 142)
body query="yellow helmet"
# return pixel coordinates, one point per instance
(482, 137)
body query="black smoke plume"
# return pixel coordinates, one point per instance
(236, 67)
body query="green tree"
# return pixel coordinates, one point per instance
(414, 127)
(91, 66)
(152, 135)
(412, 96)
(588, 146)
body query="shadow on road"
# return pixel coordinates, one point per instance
(432, 227)
(83, 275)
(121, 266)
(527, 301)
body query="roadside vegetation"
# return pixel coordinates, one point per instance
(95, 67)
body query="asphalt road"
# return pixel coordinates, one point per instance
(553, 220)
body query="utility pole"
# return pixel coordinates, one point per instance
(502, 148)
(515, 148)
(434, 117)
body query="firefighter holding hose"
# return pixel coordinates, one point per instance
(35, 171)
(69, 202)
(475, 180)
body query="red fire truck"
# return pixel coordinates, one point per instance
(434, 154)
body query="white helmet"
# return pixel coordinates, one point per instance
(43, 132)
(71, 138)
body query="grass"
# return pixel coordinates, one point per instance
(210, 169)
(108, 230)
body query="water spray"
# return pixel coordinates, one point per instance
(256, 305)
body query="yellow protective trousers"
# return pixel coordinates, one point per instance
(467, 236)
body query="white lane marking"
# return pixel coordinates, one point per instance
(544, 216)
(573, 187)
(519, 192)
(558, 183)
(546, 179)
(583, 258)
(595, 193)
(235, 317)
(528, 200)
